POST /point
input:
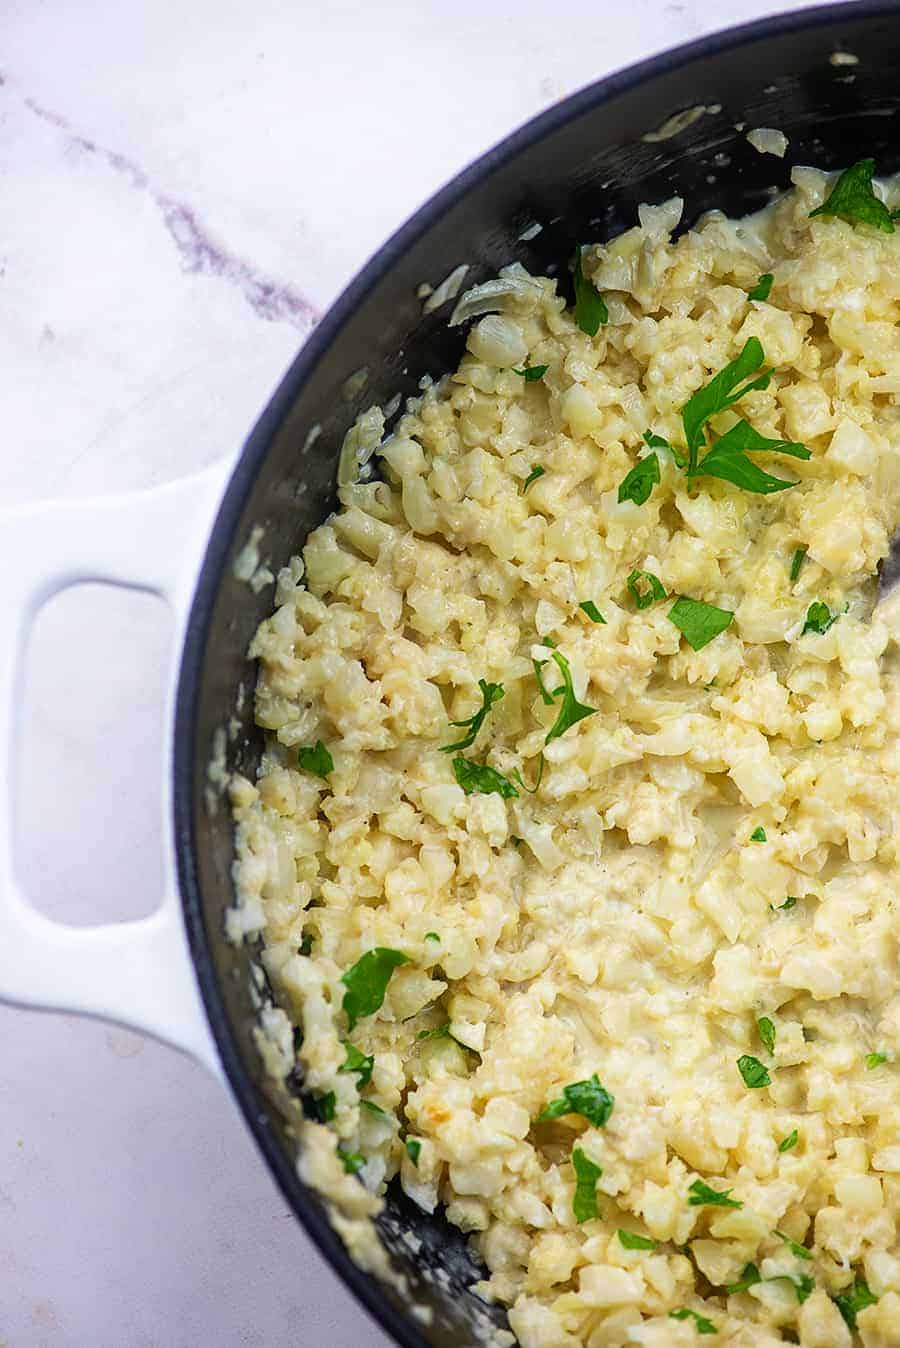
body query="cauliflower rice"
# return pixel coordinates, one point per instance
(682, 904)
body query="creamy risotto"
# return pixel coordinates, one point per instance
(572, 849)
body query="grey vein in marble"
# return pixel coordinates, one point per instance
(273, 300)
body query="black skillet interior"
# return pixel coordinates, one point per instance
(581, 170)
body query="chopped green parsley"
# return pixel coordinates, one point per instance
(584, 1202)
(794, 1246)
(316, 759)
(797, 561)
(701, 1195)
(587, 1098)
(638, 483)
(531, 373)
(699, 622)
(853, 198)
(570, 709)
(749, 1278)
(819, 618)
(766, 1030)
(366, 983)
(358, 1062)
(630, 1241)
(646, 589)
(353, 1161)
(590, 306)
(477, 779)
(490, 693)
(763, 287)
(703, 1325)
(856, 1299)
(751, 1069)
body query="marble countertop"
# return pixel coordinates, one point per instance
(184, 196)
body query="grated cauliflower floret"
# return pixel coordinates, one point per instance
(705, 854)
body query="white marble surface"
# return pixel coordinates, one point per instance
(185, 189)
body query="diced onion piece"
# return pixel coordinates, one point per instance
(501, 293)
(447, 290)
(768, 141)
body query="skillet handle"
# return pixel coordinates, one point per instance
(138, 973)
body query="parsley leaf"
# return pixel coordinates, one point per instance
(751, 1069)
(646, 588)
(490, 693)
(629, 1241)
(353, 1160)
(546, 695)
(536, 472)
(704, 1326)
(762, 288)
(439, 1032)
(723, 389)
(794, 1246)
(758, 834)
(570, 709)
(320, 1107)
(366, 982)
(699, 622)
(853, 198)
(766, 1028)
(361, 1063)
(875, 1060)
(306, 944)
(802, 1283)
(531, 373)
(316, 759)
(432, 936)
(521, 780)
(477, 779)
(749, 1278)
(657, 442)
(854, 1300)
(590, 608)
(728, 461)
(703, 1196)
(727, 458)
(797, 562)
(380, 1113)
(819, 618)
(590, 306)
(413, 1149)
(637, 484)
(584, 1203)
(790, 902)
(790, 1141)
(587, 1098)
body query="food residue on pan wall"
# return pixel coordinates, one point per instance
(447, 290)
(680, 121)
(767, 141)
